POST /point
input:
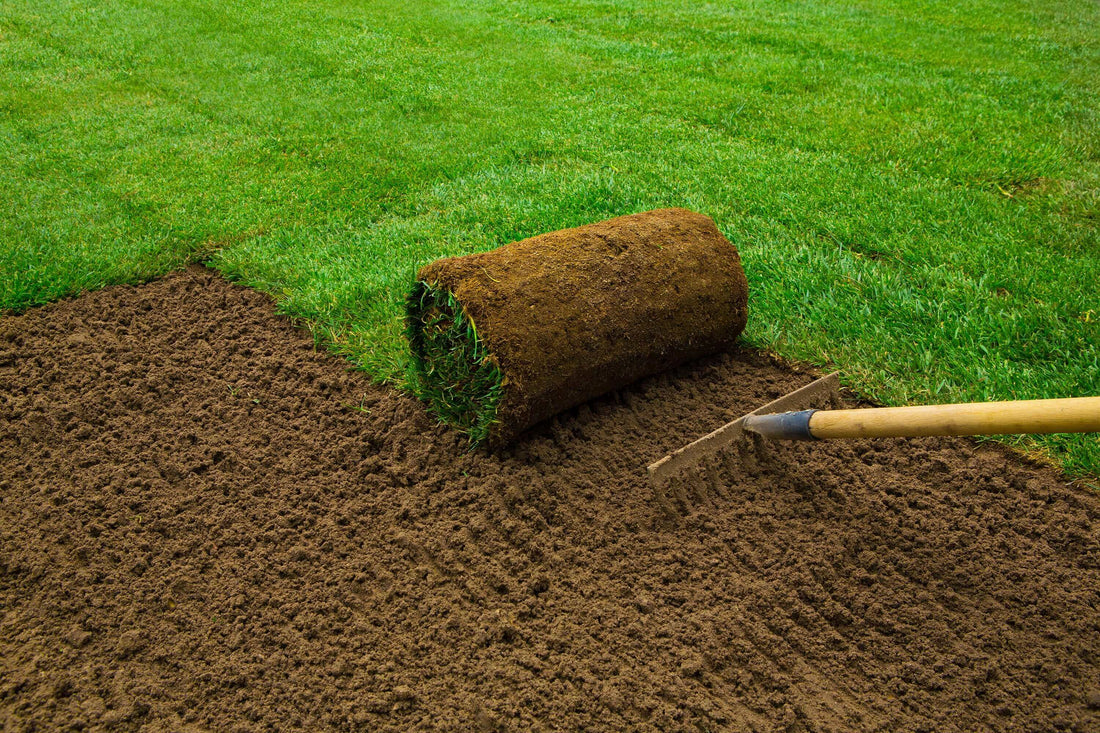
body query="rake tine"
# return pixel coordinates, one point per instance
(667, 474)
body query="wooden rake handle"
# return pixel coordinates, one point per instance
(1071, 415)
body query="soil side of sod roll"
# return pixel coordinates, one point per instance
(504, 339)
(207, 524)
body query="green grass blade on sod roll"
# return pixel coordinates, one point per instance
(502, 340)
(453, 369)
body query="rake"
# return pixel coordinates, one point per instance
(795, 417)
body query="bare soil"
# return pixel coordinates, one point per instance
(206, 524)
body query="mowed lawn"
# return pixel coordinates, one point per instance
(914, 186)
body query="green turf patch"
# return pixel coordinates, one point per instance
(452, 369)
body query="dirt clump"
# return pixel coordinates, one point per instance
(206, 524)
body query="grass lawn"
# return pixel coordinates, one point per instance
(914, 186)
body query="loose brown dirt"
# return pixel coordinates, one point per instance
(208, 525)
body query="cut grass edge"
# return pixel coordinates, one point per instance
(451, 368)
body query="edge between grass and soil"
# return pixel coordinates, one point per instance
(914, 190)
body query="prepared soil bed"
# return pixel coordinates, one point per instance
(206, 524)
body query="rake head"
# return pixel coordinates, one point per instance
(690, 474)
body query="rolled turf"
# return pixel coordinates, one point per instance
(502, 340)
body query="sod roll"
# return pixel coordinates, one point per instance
(505, 339)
